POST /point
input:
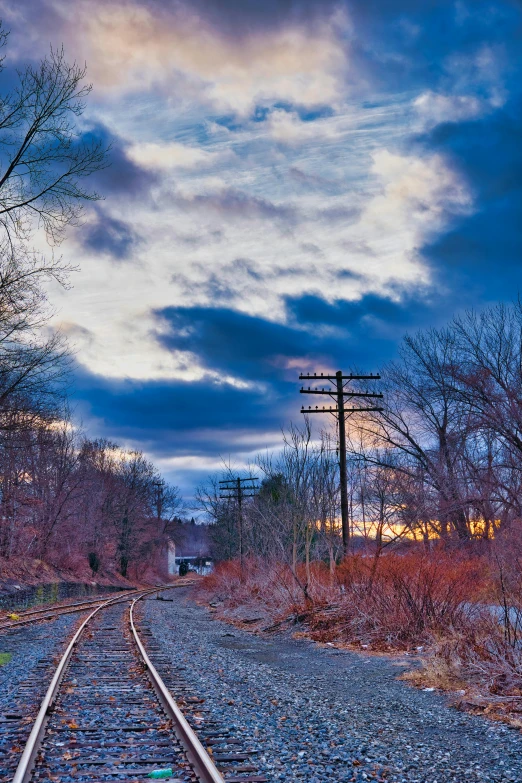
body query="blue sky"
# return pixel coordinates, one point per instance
(294, 185)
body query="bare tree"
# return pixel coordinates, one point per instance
(426, 422)
(325, 500)
(125, 509)
(130, 504)
(43, 158)
(488, 376)
(167, 503)
(54, 484)
(44, 161)
(33, 366)
(222, 514)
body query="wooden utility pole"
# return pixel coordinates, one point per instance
(338, 394)
(237, 489)
(343, 473)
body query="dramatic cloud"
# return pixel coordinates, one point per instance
(434, 108)
(137, 46)
(123, 176)
(294, 184)
(236, 204)
(288, 128)
(237, 344)
(192, 425)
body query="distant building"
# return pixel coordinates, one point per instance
(202, 564)
(171, 559)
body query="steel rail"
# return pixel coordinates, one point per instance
(48, 613)
(61, 605)
(25, 765)
(201, 762)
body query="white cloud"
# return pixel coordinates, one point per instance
(254, 265)
(288, 128)
(248, 215)
(481, 71)
(233, 209)
(418, 196)
(170, 155)
(130, 48)
(471, 87)
(434, 108)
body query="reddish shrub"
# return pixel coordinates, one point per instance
(393, 602)
(267, 586)
(400, 600)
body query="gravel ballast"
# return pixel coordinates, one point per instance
(29, 646)
(320, 714)
(24, 679)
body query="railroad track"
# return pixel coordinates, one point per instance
(108, 716)
(18, 715)
(49, 613)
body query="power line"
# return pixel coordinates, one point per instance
(238, 489)
(339, 410)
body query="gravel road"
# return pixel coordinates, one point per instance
(322, 714)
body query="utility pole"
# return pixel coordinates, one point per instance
(237, 489)
(158, 486)
(338, 394)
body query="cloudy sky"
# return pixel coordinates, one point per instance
(294, 185)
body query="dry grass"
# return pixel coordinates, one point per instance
(479, 666)
(396, 603)
(31, 571)
(263, 589)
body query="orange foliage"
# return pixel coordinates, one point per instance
(400, 601)
(394, 602)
